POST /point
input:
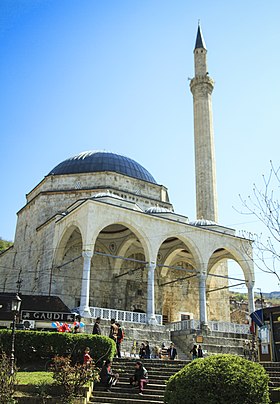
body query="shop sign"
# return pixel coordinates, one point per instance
(47, 316)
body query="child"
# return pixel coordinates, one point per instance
(87, 357)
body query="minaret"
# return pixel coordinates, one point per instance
(205, 166)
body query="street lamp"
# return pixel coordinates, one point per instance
(15, 308)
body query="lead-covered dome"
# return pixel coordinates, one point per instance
(98, 161)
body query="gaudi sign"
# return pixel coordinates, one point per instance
(47, 316)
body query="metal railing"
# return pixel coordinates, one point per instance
(217, 326)
(120, 315)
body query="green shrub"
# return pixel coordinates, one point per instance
(39, 346)
(219, 379)
(71, 378)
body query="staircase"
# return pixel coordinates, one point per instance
(273, 370)
(159, 372)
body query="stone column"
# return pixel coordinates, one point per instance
(202, 299)
(251, 300)
(84, 303)
(151, 318)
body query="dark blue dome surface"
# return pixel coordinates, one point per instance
(96, 161)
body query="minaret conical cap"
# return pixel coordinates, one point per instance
(199, 43)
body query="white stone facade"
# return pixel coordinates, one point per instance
(56, 252)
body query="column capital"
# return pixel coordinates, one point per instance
(202, 276)
(87, 254)
(151, 265)
(250, 284)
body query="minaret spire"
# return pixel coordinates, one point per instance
(199, 43)
(205, 166)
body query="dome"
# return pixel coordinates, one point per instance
(98, 161)
(158, 209)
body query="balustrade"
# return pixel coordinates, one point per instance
(120, 315)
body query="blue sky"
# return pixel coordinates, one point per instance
(113, 75)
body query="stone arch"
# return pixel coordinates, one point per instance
(218, 282)
(60, 248)
(140, 234)
(113, 278)
(122, 252)
(68, 265)
(189, 243)
(178, 292)
(231, 252)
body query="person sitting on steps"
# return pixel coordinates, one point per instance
(107, 377)
(140, 377)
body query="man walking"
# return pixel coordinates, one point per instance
(96, 328)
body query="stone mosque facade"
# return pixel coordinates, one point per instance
(99, 231)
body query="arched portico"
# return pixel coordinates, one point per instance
(125, 248)
(177, 286)
(217, 281)
(118, 271)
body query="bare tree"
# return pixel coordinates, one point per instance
(265, 206)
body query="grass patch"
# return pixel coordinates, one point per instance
(35, 378)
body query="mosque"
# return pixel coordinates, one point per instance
(100, 233)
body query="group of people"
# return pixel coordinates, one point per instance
(116, 333)
(196, 352)
(108, 378)
(145, 351)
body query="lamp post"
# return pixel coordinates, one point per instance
(15, 308)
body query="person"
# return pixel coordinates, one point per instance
(142, 351)
(246, 349)
(87, 357)
(76, 329)
(156, 352)
(113, 330)
(147, 350)
(107, 377)
(120, 337)
(96, 328)
(172, 352)
(140, 377)
(163, 351)
(193, 351)
(133, 349)
(199, 352)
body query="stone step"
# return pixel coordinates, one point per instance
(121, 400)
(124, 385)
(271, 364)
(126, 388)
(160, 378)
(98, 396)
(150, 361)
(149, 365)
(273, 374)
(271, 368)
(149, 370)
